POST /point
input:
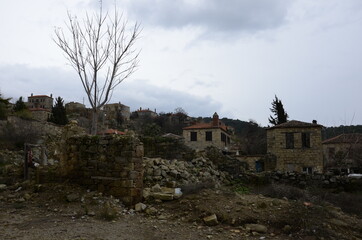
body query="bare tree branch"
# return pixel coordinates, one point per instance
(101, 50)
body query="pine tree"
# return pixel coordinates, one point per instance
(59, 115)
(278, 110)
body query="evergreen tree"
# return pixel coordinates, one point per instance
(278, 110)
(4, 104)
(20, 105)
(59, 115)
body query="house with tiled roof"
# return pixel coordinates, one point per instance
(344, 152)
(297, 146)
(201, 135)
(40, 106)
(144, 113)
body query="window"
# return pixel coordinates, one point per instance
(289, 140)
(193, 136)
(308, 170)
(305, 140)
(208, 136)
(223, 137)
(228, 140)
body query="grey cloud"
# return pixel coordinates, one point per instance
(20, 80)
(213, 15)
(141, 93)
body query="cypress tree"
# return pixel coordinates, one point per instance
(278, 110)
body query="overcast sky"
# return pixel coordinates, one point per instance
(205, 56)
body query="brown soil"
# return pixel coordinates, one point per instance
(30, 211)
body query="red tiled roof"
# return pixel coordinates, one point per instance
(345, 138)
(205, 126)
(296, 124)
(111, 131)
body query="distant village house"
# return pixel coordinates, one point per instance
(144, 113)
(201, 135)
(40, 106)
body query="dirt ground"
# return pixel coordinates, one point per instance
(69, 212)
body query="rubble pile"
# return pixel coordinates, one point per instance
(11, 157)
(164, 172)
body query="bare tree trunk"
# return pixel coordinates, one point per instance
(94, 122)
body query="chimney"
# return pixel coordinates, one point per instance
(314, 121)
(51, 95)
(31, 94)
(215, 120)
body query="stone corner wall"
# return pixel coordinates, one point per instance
(109, 164)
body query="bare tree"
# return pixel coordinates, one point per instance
(101, 49)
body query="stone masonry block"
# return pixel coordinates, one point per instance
(127, 183)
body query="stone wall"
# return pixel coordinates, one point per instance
(338, 182)
(299, 157)
(109, 164)
(262, 162)
(166, 148)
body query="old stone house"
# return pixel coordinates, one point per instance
(201, 135)
(344, 152)
(116, 112)
(146, 113)
(40, 106)
(74, 107)
(297, 146)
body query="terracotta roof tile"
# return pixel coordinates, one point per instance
(296, 124)
(205, 126)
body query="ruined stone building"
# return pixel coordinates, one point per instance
(344, 152)
(297, 146)
(201, 135)
(40, 106)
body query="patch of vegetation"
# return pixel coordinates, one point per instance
(239, 187)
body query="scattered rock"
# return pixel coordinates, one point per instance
(256, 228)
(152, 211)
(162, 196)
(27, 196)
(156, 188)
(139, 207)
(73, 197)
(91, 213)
(211, 220)
(2, 187)
(287, 228)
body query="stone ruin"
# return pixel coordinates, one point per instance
(109, 164)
